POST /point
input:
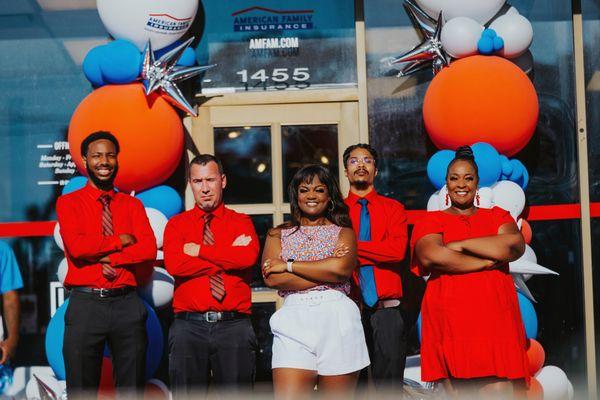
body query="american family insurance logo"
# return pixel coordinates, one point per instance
(261, 19)
(165, 23)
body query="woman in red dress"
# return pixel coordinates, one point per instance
(472, 333)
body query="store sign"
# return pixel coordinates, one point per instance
(274, 45)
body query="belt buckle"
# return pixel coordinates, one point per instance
(104, 293)
(212, 316)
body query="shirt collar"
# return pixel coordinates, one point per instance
(371, 197)
(97, 193)
(218, 212)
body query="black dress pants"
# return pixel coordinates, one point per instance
(90, 323)
(386, 332)
(224, 349)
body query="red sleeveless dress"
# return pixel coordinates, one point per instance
(471, 323)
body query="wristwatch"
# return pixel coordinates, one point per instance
(290, 262)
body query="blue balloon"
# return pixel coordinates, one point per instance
(507, 167)
(120, 62)
(54, 341)
(155, 342)
(188, 58)
(56, 331)
(437, 166)
(489, 163)
(528, 315)
(485, 45)
(91, 66)
(498, 43)
(519, 175)
(74, 184)
(488, 32)
(163, 198)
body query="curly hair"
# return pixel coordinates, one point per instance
(338, 214)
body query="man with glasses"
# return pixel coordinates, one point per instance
(210, 251)
(381, 228)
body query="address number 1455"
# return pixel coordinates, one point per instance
(278, 75)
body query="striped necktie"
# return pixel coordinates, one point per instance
(217, 286)
(107, 224)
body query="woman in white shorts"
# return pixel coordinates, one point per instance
(318, 337)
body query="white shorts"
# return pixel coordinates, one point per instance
(319, 331)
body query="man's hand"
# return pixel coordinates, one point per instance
(8, 347)
(109, 272)
(191, 249)
(127, 239)
(242, 240)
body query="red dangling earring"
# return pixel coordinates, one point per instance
(477, 199)
(447, 198)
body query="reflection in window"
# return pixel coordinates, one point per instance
(308, 144)
(262, 224)
(246, 156)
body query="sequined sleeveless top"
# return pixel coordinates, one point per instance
(311, 243)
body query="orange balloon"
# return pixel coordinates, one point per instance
(526, 231)
(535, 355)
(149, 131)
(481, 99)
(535, 390)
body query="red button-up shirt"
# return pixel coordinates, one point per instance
(80, 219)
(389, 238)
(192, 287)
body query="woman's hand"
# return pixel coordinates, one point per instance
(456, 246)
(273, 266)
(341, 250)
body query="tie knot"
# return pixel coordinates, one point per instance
(363, 202)
(208, 218)
(105, 200)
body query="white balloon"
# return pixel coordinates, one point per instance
(571, 391)
(61, 271)
(432, 203)
(57, 238)
(32, 389)
(517, 33)
(460, 36)
(159, 291)
(161, 21)
(158, 221)
(512, 11)
(479, 10)
(486, 197)
(554, 382)
(509, 196)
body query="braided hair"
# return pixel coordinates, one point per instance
(464, 153)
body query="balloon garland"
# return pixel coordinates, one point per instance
(135, 79)
(496, 116)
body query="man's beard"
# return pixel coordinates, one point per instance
(361, 185)
(100, 184)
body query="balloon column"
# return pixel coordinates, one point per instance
(484, 100)
(135, 78)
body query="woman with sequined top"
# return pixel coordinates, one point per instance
(318, 337)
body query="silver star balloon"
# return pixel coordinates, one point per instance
(429, 53)
(164, 74)
(420, 19)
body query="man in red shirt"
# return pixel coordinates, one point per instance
(210, 250)
(107, 236)
(380, 224)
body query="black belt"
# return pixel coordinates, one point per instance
(104, 292)
(211, 316)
